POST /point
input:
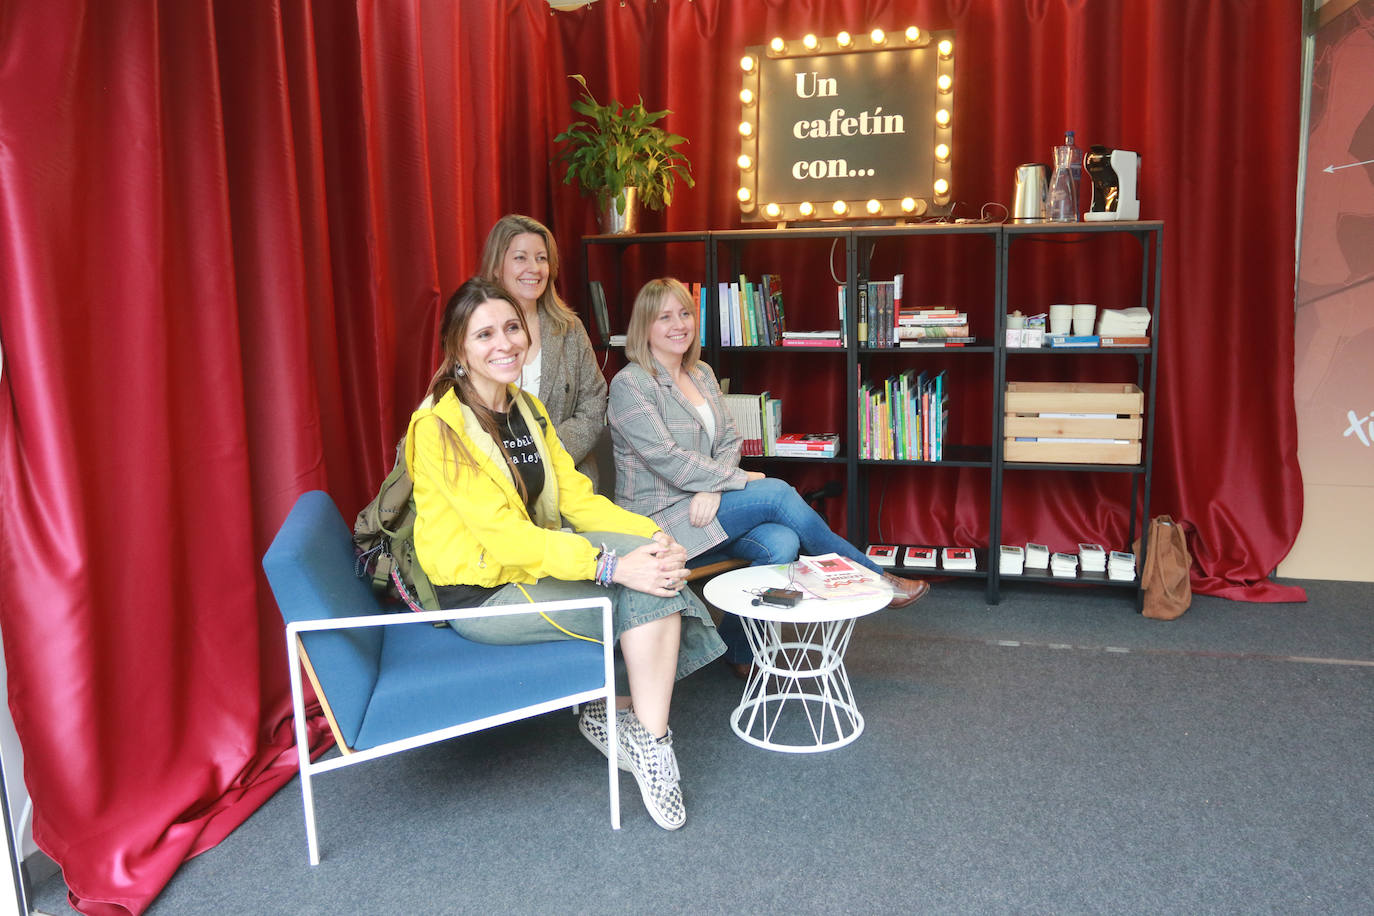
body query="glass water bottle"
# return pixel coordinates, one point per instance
(1062, 199)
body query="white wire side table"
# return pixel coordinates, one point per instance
(797, 699)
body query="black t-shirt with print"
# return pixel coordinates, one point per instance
(525, 461)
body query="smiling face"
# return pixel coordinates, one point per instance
(672, 331)
(525, 268)
(494, 350)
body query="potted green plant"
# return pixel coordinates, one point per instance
(619, 155)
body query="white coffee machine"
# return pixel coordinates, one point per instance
(1114, 173)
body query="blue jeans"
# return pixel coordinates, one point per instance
(766, 523)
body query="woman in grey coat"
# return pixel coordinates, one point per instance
(560, 366)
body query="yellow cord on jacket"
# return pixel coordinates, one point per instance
(551, 620)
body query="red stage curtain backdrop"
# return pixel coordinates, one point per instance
(227, 229)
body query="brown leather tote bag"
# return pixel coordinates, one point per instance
(1164, 574)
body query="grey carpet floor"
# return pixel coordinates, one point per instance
(1054, 754)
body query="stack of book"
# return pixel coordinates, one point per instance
(812, 339)
(833, 576)
(807, 445)
(751, 314)
(1064, 564)
(958, 558)
(1092, 558)
(1124, 327)
(904, 418)
(932, 328)
(882, 554)
(1011, 560)
(1121, 566)
(1037, 556)
(919, 558)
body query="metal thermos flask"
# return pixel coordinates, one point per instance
(1031, 183)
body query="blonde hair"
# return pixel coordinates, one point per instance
(550, 305)
(649, 303)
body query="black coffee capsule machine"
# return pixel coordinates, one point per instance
(1114, 173)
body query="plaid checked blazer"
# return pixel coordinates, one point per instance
(662, 454)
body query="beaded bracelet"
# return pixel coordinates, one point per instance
(606, 562)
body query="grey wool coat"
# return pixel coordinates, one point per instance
(662, 454)
(573, 391)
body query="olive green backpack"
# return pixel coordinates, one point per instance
(384, 536)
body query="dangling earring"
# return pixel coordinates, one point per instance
(459, 371)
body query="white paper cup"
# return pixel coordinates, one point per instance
(1061, 319)
(1084, 317)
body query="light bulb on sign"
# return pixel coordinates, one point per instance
(809, 41)
(941, 186)
(772, 210)
(943, 82)
(942, 117)
(743, 195)
(839, 207)
(945, 47)
(877, 37)
(746, 129)
(913, 34)
(777, 46)
(844, 39)
(744, 162)
(805, 208)
(875, 207)
(942, 152)
(746, 63)
(908, 204)
(746, 96)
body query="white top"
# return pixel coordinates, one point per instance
(529, 375)
(734, 591)
(708, 419)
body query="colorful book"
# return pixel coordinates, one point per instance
(958, 558)
(919, 557)
(882, 554)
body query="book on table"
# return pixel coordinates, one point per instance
(807, 445)
(830, 575)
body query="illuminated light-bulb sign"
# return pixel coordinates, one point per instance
(855, 119)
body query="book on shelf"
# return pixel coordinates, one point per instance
(919, 557)
(882, 554)
(1037, 556)
(810, 335)
(1071, 340)
(830, 575)
(745, 411)
(723, 306)
(931, 318)
(699, 294)
(932, 332)
(1011, 560)
(831, 342)
(904, 417)
(1120, 565)
(807, 445)
(1092, 558)
(958, 558)
(1064, 565)
(1124, 341)
(936, 344)
(597, 294)
(861, 315)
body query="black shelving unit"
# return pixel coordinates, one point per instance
(721, 257)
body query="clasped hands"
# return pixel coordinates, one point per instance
(659, 568)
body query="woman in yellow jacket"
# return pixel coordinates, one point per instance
(493, 486)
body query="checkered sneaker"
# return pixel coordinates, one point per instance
(592, 724)
(654, 767)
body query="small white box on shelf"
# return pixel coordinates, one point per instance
(1121, 565)
(882, 554)
(1037, 556)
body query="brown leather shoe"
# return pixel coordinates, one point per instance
(906, 591)
(741, 670)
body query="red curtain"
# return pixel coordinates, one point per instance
(227, 229)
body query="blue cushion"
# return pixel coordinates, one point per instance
(310, 568)
(432, 678)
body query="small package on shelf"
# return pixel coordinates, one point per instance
(1121, 566)
(1064, 564)
(958, 558)
(1092, 558)
(882, 554)
(1037, 556)
(919, 558)
(1011, 560)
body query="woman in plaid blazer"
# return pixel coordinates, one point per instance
(677, 459)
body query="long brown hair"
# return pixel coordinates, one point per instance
(551, 306)
(453, 332)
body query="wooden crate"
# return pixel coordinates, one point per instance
(1053, 437)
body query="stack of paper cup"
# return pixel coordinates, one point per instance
(1084, 317)
(1061, 319)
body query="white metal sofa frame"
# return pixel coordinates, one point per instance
(310, 568)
